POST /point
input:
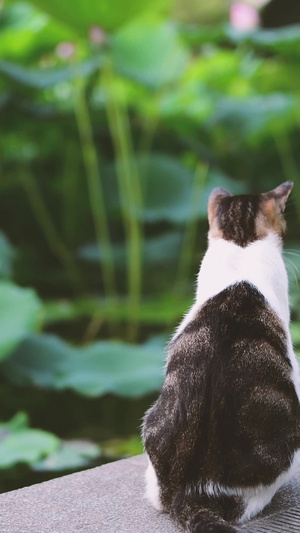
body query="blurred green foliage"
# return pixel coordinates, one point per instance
(19, 443)
(116, 124)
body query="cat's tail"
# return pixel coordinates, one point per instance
(203, 514)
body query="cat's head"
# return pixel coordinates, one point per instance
(246, 218)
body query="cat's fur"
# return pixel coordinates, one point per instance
(224, 434)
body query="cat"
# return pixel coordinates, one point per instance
(224, 434)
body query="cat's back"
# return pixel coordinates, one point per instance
(228, 407)
(233, 331)
(249, 404)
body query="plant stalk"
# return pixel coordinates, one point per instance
(130, 196)
(188, 245)
(56, 245)
(95, 189)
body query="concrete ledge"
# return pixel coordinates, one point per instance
(109, 499)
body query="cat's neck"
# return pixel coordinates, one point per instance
(259, 263)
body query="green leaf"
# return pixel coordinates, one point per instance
(291, 257)
(19, 421)
(295, 332)
(285, 40)
(162, 249)
(158, 311)
(196, 35)
(20, 313)
(109, 14)
(71, 455)
(168, 187)
(25, 31)
(20, 444)
(42, 78)
(94, 370)
(150, 53)
(253, 117)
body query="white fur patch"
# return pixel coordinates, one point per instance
(260, 263)
(152, 487)
(257, 498)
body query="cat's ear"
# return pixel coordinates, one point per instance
(278, 197)
(213, 201)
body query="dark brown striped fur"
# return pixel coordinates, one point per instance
(237, 218)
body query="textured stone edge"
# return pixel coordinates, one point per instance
(110, 499)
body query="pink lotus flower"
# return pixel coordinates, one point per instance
(244, 17)
(65, 50)
(97, 35)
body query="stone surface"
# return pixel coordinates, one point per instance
(109, 499)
